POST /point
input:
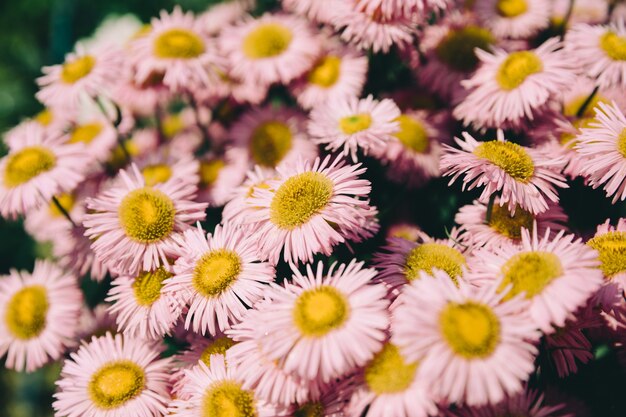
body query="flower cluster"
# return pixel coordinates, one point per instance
(223, 176)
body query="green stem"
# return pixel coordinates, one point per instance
(492, 200)
(587, 101)
(568, 15)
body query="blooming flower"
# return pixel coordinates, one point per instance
(220, 174)
(610, 243)
(514, 18)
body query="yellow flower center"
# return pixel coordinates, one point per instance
(270, 142)
(456, 49)
(66, 201)
(614, 46)
(412, 134)
(178, 44)
(530, 272)
(219, 346)
(431, 255)
(320, 310)
(85, 133)
(73, 71)
(215, 271)
(228, 399)
(355, 123)
(147, 286)
(472, 330)
(147, 215)
(510, 226)
(26, 164)
(508, 156)
(172, 124)
(388, 372)
(26, 312)
(326, 72)
(511, 8)
(44, 117)
(116, 383)
(310, 409)
(209, 171)
(611, 249)
(156, 174)
(267, 41)
(516, 68)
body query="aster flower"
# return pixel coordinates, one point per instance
(97, 134)
(473, 347)
(176, 49)
(514, 18)
(220, 174)
(40, 315)
(309, 209)
(113, 376)
(610, 243)
(321, 326)
(556, 274)
(169, 164)
(524, 176)
(509, 86)
(132, 224)
(270, 49)
(36, 168)
(219, 276)
(353, 123)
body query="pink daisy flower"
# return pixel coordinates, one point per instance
(556, 274)
(270, 49)
(169, 164)
(273, 136)
(97, 134)
(309, 209)
(40, 315)
(237, 209)
(113, 376)
(132, 224)
(84, 74)
(220, 174)
(514, 19)
(602, 146)
(509, 86)
(524, 176)
(36, 168)
(177, 49)
(610, 243)
(218, 391)
(321, 326)
(354, 123)
(473, 347)
(219, 276)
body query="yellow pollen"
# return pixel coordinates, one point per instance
(299, 198)
(412, 134)
(216, 271)
(510, 157)
(320, 310)
(431, 255)
(44, 117)
(26, 312)
(355, 123)
(472, 330)
(270, 142)
(156, 174)
(611, 249)
(456, 49)
(147, 215)
(530, 272)
(66, 200)
(510, 226)
(218, 346)
(172, 124)
(115, 384)
(85, 133)
(388, 372)
(228, 399)
(614, 46)
(73, 71)
(326, 72)
(209, 171)
(516, 68)
(267, 41)
(178, 44)
(147, 286)
(26, 164)
(310, 409)
(511, 8)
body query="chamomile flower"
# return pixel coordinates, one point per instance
(610, 243)
(354, 123)
(472, 347)
(113, 376)
(40, 313)
(514, 18)
(524, 176)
